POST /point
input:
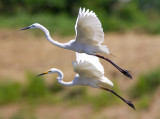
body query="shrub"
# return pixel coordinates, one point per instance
(147, 84)
(10, 91)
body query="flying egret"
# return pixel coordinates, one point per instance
(90, 72)
(89, 37)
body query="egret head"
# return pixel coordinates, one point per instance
(53, 70)
(35, 25)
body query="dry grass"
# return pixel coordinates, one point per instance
(21, 52)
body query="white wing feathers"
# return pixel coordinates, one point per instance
(90, 59)
(86, 69)
(89, 66)
(88, 28)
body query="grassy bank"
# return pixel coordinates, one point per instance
(36, 91)
(63, 24)
(145, 88)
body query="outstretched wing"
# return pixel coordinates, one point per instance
(88, 28)
(93, 60)
(88, 65)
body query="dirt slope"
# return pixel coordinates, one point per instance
(22, 51)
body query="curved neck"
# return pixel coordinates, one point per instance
(60, 79)
(47, 34)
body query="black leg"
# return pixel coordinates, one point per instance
(123, 71)
(126, 101)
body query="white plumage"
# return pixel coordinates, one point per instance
(90, 72)
(89, 37)
(88, 28)
(89, 34)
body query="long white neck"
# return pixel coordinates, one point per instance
(60, 78)
(47, 34)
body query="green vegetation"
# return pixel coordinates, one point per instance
(98, 101)
(61, 24)
(9, 92)
(24, 114)
(60, 16)
(145, 87)
(147, 83)
(144, 102)
(35, 91)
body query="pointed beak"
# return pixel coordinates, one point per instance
(25, 28)
(42, 73)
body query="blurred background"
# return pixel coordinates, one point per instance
(131, 30)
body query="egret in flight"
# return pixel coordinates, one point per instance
(90, 72)
(89, 37)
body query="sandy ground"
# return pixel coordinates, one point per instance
(21, 51)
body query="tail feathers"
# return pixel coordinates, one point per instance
(105, 49)
(107, 81)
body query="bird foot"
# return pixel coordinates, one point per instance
(126, 73)
(130, 104)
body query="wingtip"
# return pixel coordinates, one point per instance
(83, 11)
(87, 11)
(80, 10)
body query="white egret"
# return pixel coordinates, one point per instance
(90, 72)
(89, 37)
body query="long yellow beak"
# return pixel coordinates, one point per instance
(43, 73)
